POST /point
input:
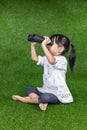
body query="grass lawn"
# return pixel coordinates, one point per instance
(18, 18)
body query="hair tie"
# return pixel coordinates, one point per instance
(70, 44)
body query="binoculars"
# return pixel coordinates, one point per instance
(36, 38)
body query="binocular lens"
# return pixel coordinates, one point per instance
(36, 38)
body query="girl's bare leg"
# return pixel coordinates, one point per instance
(25, 99)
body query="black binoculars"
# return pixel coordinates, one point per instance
(36, 38)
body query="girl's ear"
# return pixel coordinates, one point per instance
(61, 49)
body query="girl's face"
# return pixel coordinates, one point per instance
(56, 49)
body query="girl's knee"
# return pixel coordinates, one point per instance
(29, 91)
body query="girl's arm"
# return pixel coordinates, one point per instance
(49, 56)
(33, 52)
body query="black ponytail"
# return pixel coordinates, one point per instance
(72, 57)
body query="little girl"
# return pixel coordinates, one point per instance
(54, 89)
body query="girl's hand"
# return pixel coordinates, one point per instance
(46, 40)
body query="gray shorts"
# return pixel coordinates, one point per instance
(43, 97)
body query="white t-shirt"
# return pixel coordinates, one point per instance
(54, 78)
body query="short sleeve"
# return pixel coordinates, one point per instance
(61, 63)
(40, 60)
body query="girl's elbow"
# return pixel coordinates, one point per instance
(35, 59)
(52, 62)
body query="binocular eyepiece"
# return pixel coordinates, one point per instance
(36, 38)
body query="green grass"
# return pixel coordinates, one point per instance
(18, 18)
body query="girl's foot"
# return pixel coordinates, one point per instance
(16, 97)
(42, 106)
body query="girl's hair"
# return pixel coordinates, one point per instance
(63, 40)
